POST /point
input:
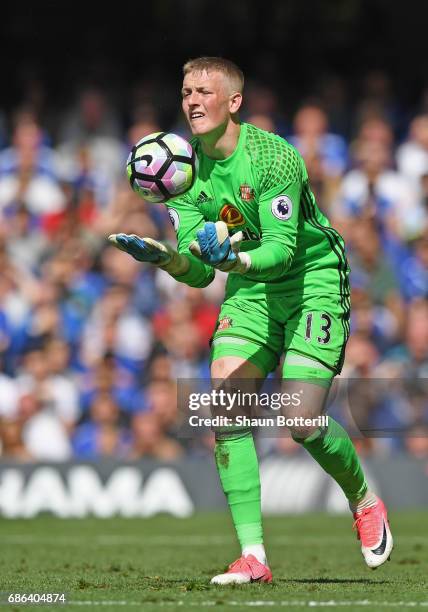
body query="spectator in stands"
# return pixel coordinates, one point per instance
(91, 152)
(375, 286)
(416, 442)
(262, 108)
(412, 155)
(141, 127)
(161, 400)
(375, 130)
(377, 100)
(102, 435)
(9, 395)
(193, 306)
(333, 98)
(28, 141)
(27, 242)
(107, 376)
(264, 122)
(414, 270)
(12, 445)
(58, 356)
(184, 345)
(325, 154)
(116, 327)
(312, 138)
(92, 117)
(159, 366)
(16, 289)
(149, 439)
(141, 277)
(361, 357)
(57, 393)
(374, 191)
(411, 356)
(44, 433)
(28, 173)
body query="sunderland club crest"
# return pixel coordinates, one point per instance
(246, 193)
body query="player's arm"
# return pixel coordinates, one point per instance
(279, 215)
(281, 187)
(181, 264)
(187, 221)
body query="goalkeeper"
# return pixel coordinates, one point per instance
(252, 214)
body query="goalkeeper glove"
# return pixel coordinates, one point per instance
(151, 251)
(216, 248)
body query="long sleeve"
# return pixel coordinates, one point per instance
(278, 221)
(187, 220)
(279, 204)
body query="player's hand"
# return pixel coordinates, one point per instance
(151, 251)
(216, 248)
(141, 249)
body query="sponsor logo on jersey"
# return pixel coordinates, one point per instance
(282, 207)
(174, 217)
(224, 323)
(231, 216)
(203, 197)
(246, 193)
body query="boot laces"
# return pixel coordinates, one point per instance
(240, 565)
(367, 525)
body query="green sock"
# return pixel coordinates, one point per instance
(238, 468)
(336, 454)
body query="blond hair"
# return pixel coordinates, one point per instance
(230, 70)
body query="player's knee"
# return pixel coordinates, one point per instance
(231, 366)
(302, 424)
(301, 433)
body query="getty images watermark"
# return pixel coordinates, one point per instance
(366, 408)
(221, 403)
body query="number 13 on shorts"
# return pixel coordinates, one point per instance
(319, 330)
(323, 335)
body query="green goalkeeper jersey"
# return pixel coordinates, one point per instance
(262, 189)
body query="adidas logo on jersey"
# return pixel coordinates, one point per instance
(203, 197)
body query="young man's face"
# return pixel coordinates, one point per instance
(207, 102)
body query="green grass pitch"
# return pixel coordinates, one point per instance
(165, 563)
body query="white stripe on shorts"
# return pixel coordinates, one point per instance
(228, 340)
(301, 360)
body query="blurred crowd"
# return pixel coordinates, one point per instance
(92, 342)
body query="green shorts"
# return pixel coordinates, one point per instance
(311, 330)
